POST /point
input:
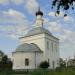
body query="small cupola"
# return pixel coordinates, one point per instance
(39, 12)
(39, 19)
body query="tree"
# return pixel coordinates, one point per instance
(4, 59)
(44, 64)
(1, 52)
(64, 4)
(62, 63)
(5, 63)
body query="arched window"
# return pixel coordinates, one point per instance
(26, 62)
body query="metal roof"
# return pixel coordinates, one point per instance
(28, 48)
(37, 30)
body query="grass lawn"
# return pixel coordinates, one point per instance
(41, 72)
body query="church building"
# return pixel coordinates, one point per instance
(37, 45)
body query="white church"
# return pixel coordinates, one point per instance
(37, 45)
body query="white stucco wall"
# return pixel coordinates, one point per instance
(37, 39)
(35, 58)
(53, 51)
(41, 40)
(19, 60)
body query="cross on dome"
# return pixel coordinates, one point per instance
(39, 12)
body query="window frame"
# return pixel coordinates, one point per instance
(26, 62)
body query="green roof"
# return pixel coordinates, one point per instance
(37, 30)
(28, 48)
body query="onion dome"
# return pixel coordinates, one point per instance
(39, 12)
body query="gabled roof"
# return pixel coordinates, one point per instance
(37, 30)
(28, 48)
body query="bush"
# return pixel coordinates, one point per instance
(44, 64)
(5, 63)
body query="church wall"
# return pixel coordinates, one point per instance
(39, 59)
(48, 44)
(53, 51)
(19, 60)
(49, 52)
(39, 40)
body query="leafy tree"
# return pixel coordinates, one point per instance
(4, 59)
(62, 63)
(1, 52)
(5, 63)
(64, 4)
(44, 64)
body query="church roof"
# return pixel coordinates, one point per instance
(37, 30)
(39, 12)
(28, 48)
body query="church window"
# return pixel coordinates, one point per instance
(26, 61)
(47, 44)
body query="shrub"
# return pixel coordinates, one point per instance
(44, 64)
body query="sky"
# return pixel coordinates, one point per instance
(17, 17)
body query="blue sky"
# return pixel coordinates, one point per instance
(18, 16)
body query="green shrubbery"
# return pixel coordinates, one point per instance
(44, 65)
(5, 63)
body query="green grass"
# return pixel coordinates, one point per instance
(40, 72)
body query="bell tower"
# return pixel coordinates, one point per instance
(39, 19)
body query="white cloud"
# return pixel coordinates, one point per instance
(58, 15)
(18, 21)
(17, 1)
(4, 1)
(13, 36)
(62, 33)
(68, 19)
(14, 13)
(51, 14)
(74, 3)
(31, 5)
(13, 1)
(46, 20)
(54, 27)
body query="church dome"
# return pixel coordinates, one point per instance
(36, 31)
(39, 12)
(28, 48)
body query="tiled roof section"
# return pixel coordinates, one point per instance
(28, 48)
(37, 30)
